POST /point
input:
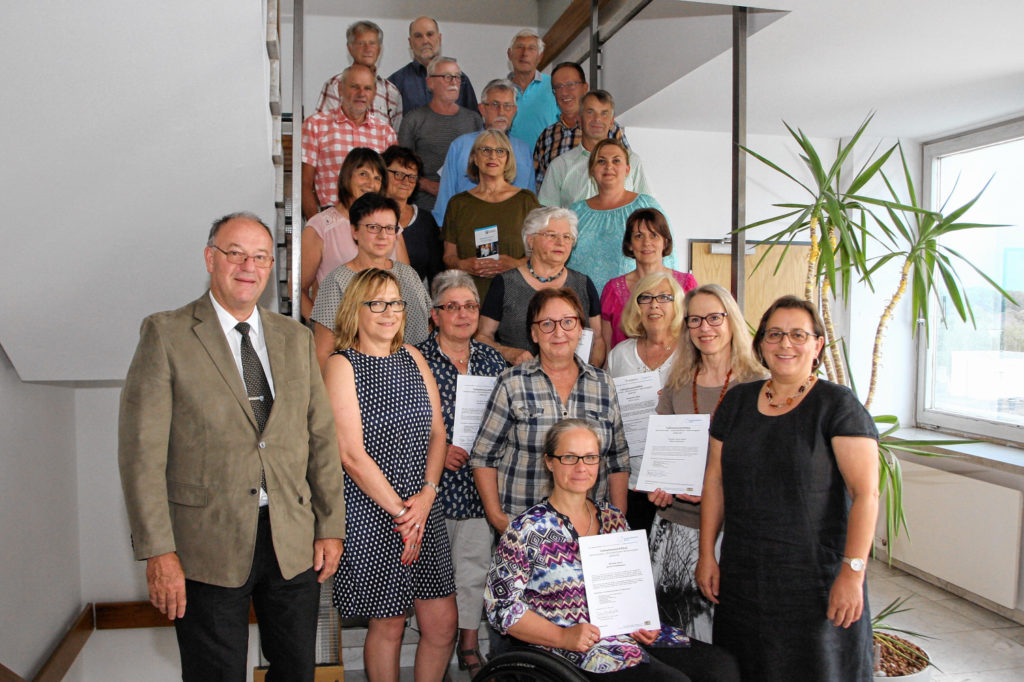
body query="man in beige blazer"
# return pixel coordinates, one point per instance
(232, 494)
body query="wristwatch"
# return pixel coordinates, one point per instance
(855, 563)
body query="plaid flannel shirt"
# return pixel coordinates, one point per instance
(521, 409)
(559, 138)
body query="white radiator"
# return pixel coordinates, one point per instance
(962, 530)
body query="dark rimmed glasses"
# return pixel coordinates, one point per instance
(570, 460)
(713, 320)
(568, 323)
(797, 337)
(380, 306)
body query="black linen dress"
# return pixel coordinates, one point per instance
(786, 510)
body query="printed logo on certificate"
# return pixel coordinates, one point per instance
(486, 239)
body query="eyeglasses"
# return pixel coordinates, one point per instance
(547, 325)
(238, 257)
(365, 43)
(495, 151)
(647, 299)
(554, 236)
(713, 320)
(449, 78)
(573, 459)
(399, 176)
(380, 306)
(566, 86)
(374, 228)
(797, 337)
(455, 307)
(504, 106)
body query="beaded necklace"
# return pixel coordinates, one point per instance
(543, 280)
(721, 396)
(788, 401)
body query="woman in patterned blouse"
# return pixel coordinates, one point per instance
(450, 352)
(535, 589)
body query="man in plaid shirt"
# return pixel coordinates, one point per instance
(569, 84)
(364, 42)
(328, 137)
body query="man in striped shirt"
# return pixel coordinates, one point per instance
(364, 42)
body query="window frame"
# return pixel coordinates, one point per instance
(928, 417)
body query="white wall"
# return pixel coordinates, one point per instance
(133, 126)
(39, 562)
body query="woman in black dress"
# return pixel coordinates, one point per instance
(793, 474)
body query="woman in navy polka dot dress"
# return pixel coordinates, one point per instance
(392, 441)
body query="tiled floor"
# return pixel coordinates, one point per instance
(967, 642)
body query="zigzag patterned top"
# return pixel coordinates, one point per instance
(536, 566)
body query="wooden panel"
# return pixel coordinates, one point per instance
(323, 673)
(60, 661)
(136, 614)
(764, 284)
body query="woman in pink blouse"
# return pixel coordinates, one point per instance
(648, 241)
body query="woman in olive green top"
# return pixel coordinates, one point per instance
(714, 354)
(483, 226)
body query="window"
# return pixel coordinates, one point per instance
(972, 376)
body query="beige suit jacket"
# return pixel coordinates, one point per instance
(190, 452)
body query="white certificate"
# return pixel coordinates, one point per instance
(675, 454)
(619, 583)
(638, 398)
(471, 394)
(586, 341)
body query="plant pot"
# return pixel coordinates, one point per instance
(885, 660)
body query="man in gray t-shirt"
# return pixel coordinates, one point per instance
(429, 130)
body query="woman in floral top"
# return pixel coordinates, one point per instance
(451, 351)
(535, 589)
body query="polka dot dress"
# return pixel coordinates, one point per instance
(396, 417)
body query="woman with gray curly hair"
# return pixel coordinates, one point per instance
(549, 234)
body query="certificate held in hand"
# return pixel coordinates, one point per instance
(675, 454)
(619, 582)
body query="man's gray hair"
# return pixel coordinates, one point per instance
(540, 218)
(452, 279)
(527, 33)
(437, 61)
(222, 221)
(363, 26)
(501, 84)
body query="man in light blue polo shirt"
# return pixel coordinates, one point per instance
(537, 106)
(498, 107)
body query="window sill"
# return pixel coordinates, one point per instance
(992, 455)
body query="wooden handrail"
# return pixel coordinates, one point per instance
(117, 615)
(62, 658)
(8, 675)
(570, 24)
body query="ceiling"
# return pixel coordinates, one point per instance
(927, 67)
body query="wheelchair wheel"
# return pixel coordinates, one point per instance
(528, 665)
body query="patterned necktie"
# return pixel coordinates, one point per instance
(256, 385)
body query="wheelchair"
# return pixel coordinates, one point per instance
(528, 664)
